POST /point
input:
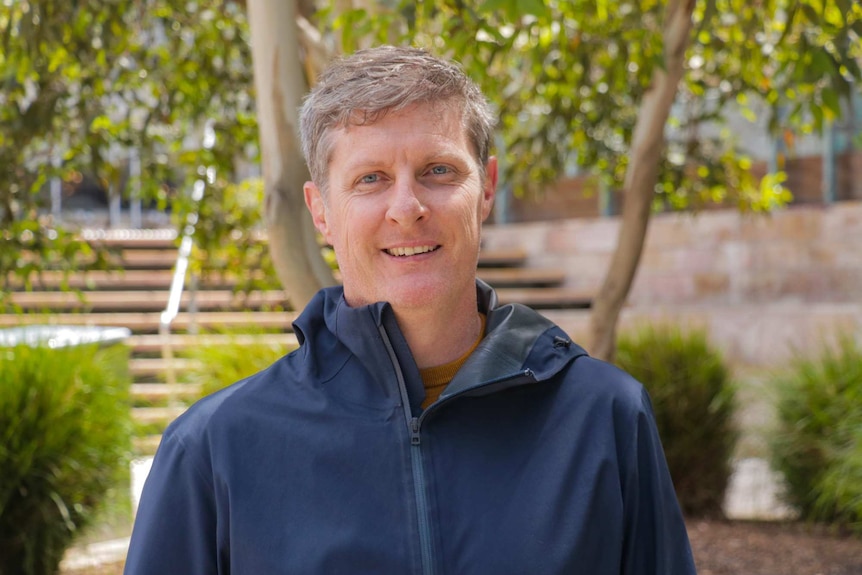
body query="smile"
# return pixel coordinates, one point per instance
(410, 251)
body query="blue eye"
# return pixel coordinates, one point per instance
(439, 170)
(369, 179)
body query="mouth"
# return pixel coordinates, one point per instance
(401, 252)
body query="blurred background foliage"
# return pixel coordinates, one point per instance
(817, 442)
(86, 83)
(694, 398)
(65, 443)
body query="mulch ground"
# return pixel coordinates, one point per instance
(772, 548)
(741, 548)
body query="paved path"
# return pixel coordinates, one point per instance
(754, 492)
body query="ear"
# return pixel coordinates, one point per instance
(490, 189)
(317, 207)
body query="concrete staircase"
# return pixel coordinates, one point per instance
(135, 297)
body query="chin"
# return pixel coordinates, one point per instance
(418, 295)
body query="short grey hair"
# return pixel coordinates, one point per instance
(363, 87)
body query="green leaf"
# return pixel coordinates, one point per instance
(831, 101)
(810, 13)
(817, 114)
(845, 7)
(536, 8)
(491, 7)
(822, 63)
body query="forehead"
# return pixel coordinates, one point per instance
(419, 128)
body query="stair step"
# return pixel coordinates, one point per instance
(165, 391)
(143, 300)
(547, 298)
(154, 366)
(524, 277)
(502, 257)
(124, 280)
(151, 415)
(164, 238)
(148, 343)
(148, 322)
(151, 259)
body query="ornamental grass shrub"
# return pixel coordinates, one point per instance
(817, 445)
(694, 402)
(221, 365)
(64, 442)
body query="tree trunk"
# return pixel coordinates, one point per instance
(641, 178)
(280, 85)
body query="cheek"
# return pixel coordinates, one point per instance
(472, 214)
(346, 232)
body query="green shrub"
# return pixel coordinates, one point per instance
(222, 365)
(818, 442)
(694, 402)
(64, 442)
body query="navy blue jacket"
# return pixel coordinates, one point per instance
(536, 459)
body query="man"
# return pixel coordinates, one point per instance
(419, 427)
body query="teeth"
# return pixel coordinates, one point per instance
(408, 251)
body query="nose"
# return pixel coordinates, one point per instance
(405, 206)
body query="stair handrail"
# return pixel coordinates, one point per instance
(181, 267)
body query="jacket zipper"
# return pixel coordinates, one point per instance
(419, 487)
(421, 497)
(414, 426)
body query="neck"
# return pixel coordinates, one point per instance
(437, 337)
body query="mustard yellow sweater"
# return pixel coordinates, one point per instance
(437, 378)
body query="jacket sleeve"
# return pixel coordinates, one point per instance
(175, 531)
(656, 541)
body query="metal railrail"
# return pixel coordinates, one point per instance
(181, 267)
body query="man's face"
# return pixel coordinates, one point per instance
(404, 209)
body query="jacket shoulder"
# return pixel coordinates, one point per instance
(606, 382)
(208, 414)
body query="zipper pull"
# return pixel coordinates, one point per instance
(414, 431)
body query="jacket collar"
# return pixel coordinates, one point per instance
(517, 340)
(328, 322)
(520, 346)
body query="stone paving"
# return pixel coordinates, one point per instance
(754, 493)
